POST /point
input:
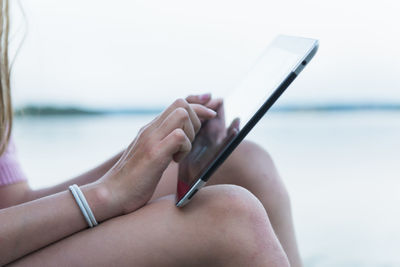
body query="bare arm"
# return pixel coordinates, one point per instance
(126, 187)
(85, 178)
(33, 225)
(21, 192)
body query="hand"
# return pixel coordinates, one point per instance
(132, 180)
(215, 128)
(212, 137)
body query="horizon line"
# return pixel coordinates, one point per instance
(35, 110)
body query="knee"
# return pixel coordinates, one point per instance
(253, 159)
(240, 227)
(252, 166)
(223, 202)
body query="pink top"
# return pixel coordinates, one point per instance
(10, 170)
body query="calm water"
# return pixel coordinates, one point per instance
(341, 169)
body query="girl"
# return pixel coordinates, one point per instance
(242, 218)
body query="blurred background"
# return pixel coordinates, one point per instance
(91, 73)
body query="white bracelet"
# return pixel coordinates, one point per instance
(86, 205)
(83, 205)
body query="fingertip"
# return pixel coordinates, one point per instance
(209, 114)
(212, 113)
(205, 97)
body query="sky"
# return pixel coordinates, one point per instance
(129, 54)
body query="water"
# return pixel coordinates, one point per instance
(342, 171)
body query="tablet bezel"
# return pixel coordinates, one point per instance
(312, 46)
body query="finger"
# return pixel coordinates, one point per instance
(194, 118)
(184, 104)
(179, 103)
(233, 129)
(215, 104)
(179, 118)
(218, 106)
(200, 110)
(199, 99)
(203, 113)
(176, 145)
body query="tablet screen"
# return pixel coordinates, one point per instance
(270, 70)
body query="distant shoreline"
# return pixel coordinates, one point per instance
(79, 111)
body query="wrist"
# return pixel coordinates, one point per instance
(101, 201)
(125, 194)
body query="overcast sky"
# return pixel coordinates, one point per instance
(146, 53)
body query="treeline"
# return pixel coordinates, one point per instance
(77, 111)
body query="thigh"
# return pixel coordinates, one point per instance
(251, 167)
(224, 226)
(156, 235)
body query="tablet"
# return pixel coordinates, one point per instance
(273, 72)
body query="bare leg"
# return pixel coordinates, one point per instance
(224, 226)
(251, 167)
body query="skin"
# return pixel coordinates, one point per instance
(134, 208)
(207, 232)
(251, 167)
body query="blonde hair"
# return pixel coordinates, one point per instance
(6, 111)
